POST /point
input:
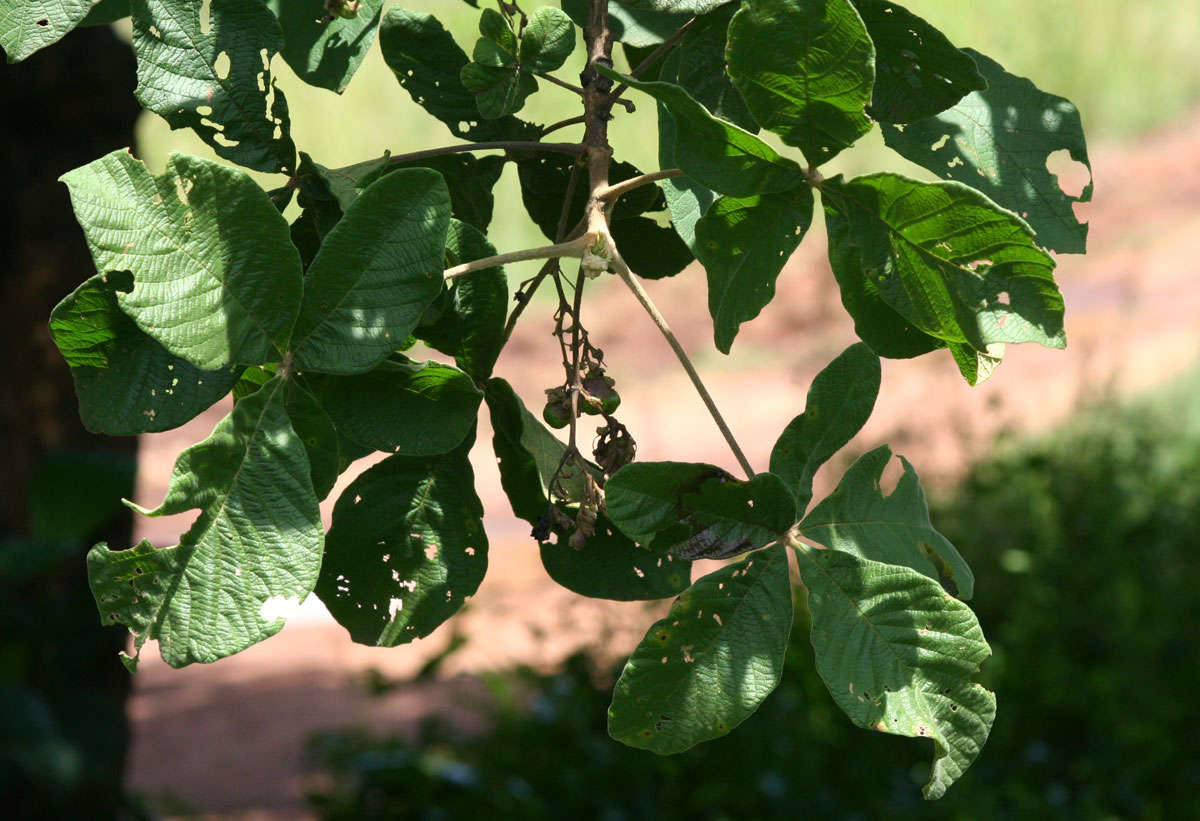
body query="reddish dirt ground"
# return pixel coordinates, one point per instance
(225, 739)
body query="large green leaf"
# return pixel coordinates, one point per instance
(471, 328)
(918, 72)
(694, 7)
(947, 259)
(898, 655)
(499, 90)
(29, 25)
(216, 278)
(652, 251)
(635, 27)
(411, 408)
(106, 12)
(998, 141)
(715, 153)
(857, 518)
(318, 435)
(256, 543)
(743, 243)
(698, 511)
(427, 62)
(376, 272)
(547, 41)
(608, 565)
(182, 77)
(325, 52)
(406, 548)
(127, 383)
(839, 403)
(706, 666)
(813, 92)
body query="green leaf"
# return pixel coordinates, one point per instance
(715, 153)
(857, 518)
(898, 655)
(318, 435)
(411, 408)
(610, 566)
(256, 543)
(976, 366)
(548, 40)
(918, 72)
(813, 92)
(743, 243)
(947, 259)
(238, 110)
(427, 62)
(649, 249)
(106, 12)
(126, 382)
(406, 548)
(632, 26)
(692, 7)
(693, 65)
(499, 90)
(839, 403)
(698, 511)
(216, 278)
(703, 669)
(471, 329)
(496, 29)
(545, 179)
(998, 141)
(325, 52)
(377, 270)
(29, 25)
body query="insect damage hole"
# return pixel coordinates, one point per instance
(1073, 176)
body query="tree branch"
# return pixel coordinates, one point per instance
(612, 192)
(644, 298)
(574, 248)
(550, 78)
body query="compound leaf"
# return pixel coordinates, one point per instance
(257, 542)
(406, 548)
(918, 72)
(899, 655)
(236, 110)
(743, 243)
(998, 141)
(216, 278)
(857, 518)
(706, 666)
(127, 383)
(325, 50)
(411, 408)
(839, 403)
(813, 92)
(717, 154)
(947, 259)
(376, 272)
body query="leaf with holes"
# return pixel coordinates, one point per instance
(257, 542)
(839, 403)
(918, 72)
(428, 62)
(947, 259)
(857, 518)
(812, 93)
(376, 272)
(743, 243)
(611, 566)
(218, 84)
(471, 328)
(715, 153)
(29, 25)
(126, 382)
(216, 279)
(406, 548)
(697, 511)
(999, 141)
(899, 655)
(411, 408)
(325, 52)
(706, 666)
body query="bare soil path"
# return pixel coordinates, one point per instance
(226, 738)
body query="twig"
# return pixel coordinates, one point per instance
(569, 121)
(561, 148)
(616, 190)
(652, 58)
(550, 78)
(574, 248)
(623, 271)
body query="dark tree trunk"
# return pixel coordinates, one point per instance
(63, 734)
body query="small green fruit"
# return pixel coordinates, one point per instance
(556, 414)
(604, 397)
